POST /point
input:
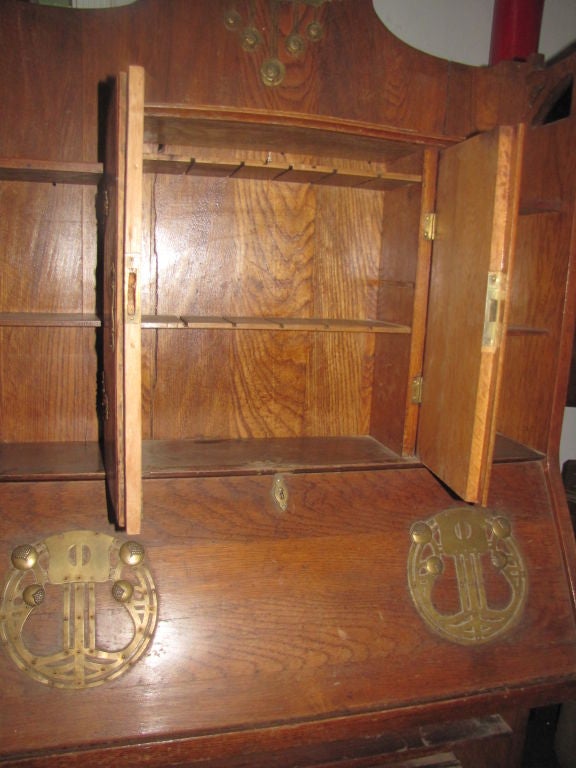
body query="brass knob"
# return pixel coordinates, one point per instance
(272, 72)
(132, 553)
(295, 44)
(314, 31)
(122, 591)
(33, 595)
(501, 527)
(251, 39)
(434, 565)
(24, 557)
(421, 533)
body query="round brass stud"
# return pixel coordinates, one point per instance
(132, 553)
(272, 72)
(295, 44)
(434, 566)
(251, 39)
(501, 527)
(421, 533)
(315, 31)
(232, 20)
(122, 591)
(24, 557)
(499, 560)
(33, 595)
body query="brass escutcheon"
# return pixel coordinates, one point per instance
(72, 571)
(467, 546)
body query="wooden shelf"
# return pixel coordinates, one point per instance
(49, 171)
(272, 324)
(290, 172)
(49, 320)
(181, 124)
(21, 462)
(50, 461)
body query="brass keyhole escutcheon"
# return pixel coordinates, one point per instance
(280, 493)
(81, 575)
(464, 550)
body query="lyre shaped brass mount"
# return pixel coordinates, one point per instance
(469, 553)
(74, 572)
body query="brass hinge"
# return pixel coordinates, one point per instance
(416, 386)
(495, 296)
(430, 226)
(105, 203)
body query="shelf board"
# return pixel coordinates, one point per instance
(51, 461)
(272, 324)
(50, 171)
(49, 320)
(289, 172)
(219, 127)
(191, 458)
(21, 462)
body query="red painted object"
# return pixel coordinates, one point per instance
(515, 29)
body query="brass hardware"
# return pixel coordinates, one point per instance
(430, 220)
(122, 591)
(251, 39)
(472, 541)
(132, 553)
(280, 492)
(416, 387)
(131, 294)
(295, 44)
(33, 595)
(272, 72)
(495, 295)
(286, 20)
(24, 557)
(75, 563)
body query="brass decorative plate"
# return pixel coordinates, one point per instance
(78, 608)
(466, 575)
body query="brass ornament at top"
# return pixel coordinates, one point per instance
(472, 545)
(267, 37)
(70, 572)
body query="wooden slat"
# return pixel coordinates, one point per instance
(49, 319)
(289, 172)
(131, 331)
(49, 171)
(294, 324)
(20, 462)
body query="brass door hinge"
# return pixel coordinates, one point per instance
(429, 226)
(416, 386)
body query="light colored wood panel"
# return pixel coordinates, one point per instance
(48, 384)
(131, 277)
(475, 201)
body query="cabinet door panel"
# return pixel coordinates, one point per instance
(121, 302)
(476, 202)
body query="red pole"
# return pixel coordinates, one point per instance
(515, 29)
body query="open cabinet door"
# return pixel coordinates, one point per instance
(122, 429)
(476, 206)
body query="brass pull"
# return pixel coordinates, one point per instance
(75, 563)
(471, 540)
